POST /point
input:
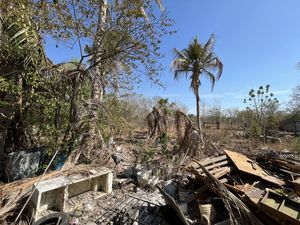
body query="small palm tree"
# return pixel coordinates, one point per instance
(198, 60)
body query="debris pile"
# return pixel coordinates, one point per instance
(250, 193)
(229, 188)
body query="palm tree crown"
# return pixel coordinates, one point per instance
(198, 60)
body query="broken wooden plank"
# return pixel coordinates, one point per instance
(244, 164)
(218, 170)
(219, 164)
(222, 173)
(290, 172)
(206, 161)
(290, 164)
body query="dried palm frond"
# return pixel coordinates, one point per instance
(188, 136)
(157, 124)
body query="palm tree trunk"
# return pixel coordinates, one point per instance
(19, 134)
(199, 125)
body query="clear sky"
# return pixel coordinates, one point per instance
(258, 42)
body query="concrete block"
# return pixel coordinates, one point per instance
(61, 194)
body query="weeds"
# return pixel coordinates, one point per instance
(295, 144)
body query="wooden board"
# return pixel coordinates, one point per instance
(206, 162)
(246, 165)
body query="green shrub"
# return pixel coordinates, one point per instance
(295, 144)
(164, 139)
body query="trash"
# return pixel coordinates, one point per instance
(235, 207)
(206, 211)
(143, 177)
(229, 188)
(23, 164)
(184, 194)
(170, 187)
(117, 157)
(73, 221)
(171, 202)
(130, 172)
(184, 208)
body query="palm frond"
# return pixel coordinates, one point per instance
(179, 54)
(160, 5)
(20, 36)
(178, 73)
(209, 46)
(211, 77)
(215, 64)
(219, 65)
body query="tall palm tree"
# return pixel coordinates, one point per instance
(197, 60)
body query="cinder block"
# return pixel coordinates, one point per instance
(59, 193)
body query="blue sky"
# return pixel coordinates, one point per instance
(258, 42)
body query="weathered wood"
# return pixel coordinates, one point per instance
(222, 173)
(289, 172)
(219, 164)
(246, 165)
(208, 161)
(290, 164)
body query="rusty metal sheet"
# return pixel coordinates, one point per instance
(244, 164)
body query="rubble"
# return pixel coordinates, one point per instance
(244, 185)
(229, 188)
